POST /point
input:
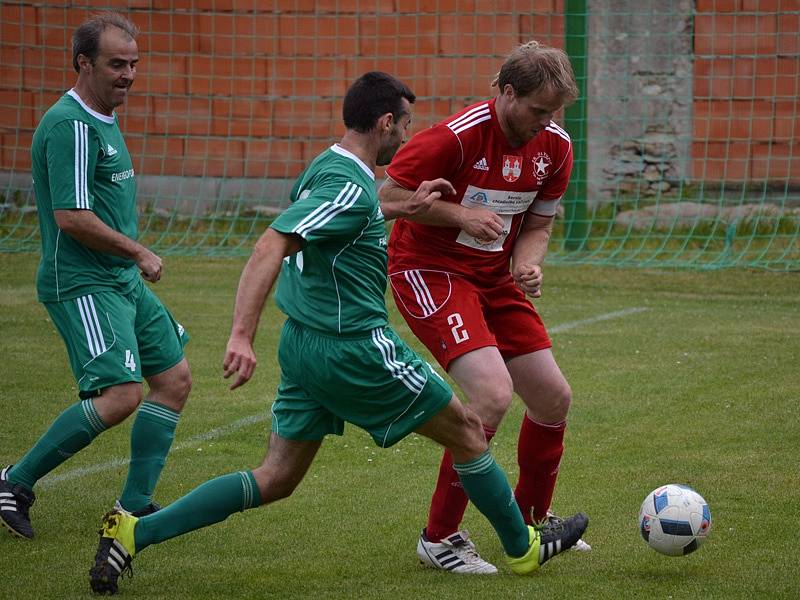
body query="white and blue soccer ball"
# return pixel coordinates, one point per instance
(674, 520)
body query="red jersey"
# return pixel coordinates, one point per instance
(470, 150)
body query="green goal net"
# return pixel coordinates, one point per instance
(685, 136)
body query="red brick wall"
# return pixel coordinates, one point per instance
(253, 88)
(746, 89)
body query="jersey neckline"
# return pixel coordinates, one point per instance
(104, 118)
(346, 153)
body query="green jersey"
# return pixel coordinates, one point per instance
(336, 283)
(80, 161)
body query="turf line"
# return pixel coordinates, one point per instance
(617, 314)
(211, 434)
(217, 432)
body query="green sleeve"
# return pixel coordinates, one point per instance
(72, 150)
(337, 208)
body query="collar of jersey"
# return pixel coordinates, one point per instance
(94, 113)
(339, 150)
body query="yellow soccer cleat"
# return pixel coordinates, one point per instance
(114, 552)
(547, 542)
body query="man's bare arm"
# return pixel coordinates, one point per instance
(477, 222)
(529, 251)
(258, 277)
(85, 227)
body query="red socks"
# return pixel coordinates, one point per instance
(539, 453)
(449, 500)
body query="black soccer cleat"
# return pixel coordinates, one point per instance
(581, 545)
(114, 552)
(557, 535)
(15, 504)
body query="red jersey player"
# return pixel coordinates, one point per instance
(460, 273)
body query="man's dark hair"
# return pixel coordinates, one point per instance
(86, 39)
(372, 95)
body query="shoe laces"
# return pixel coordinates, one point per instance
(551, 525)
(127, 570)
(465, 548)
(24, 498)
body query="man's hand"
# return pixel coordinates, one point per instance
(482, 224)
(149, 264)
(239, 358)
(529, 279)
(426, 194)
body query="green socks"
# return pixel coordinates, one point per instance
(151, 438)
(210, 503)
(73, 430)
(488, 489)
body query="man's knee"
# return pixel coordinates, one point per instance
(557, 407)
(117, 402)
(492, 396)
(182, 384)
(172, 387)
(469, 440)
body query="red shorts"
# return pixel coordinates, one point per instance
(453, 316)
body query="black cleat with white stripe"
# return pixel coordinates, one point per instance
(15, 503)
(558, 535)
(112, 560)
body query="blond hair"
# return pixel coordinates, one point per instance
(533, 67)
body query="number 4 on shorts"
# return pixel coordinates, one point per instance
(130, 363)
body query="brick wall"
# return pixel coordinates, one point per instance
(746, 89)
(253, 88)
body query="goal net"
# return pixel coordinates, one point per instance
(685, 136)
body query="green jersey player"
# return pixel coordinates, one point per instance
(90, 279)
(340, 361)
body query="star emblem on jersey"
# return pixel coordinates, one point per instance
(512, 167)
(481, 165)
(541, 163)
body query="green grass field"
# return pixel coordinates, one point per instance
(697, 381)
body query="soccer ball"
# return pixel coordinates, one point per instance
(674, 520)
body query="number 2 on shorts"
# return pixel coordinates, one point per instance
(459, 334)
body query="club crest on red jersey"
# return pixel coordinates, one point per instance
(541, 165)
(512, 167)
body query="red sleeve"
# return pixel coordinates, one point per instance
(556, 185)
(434, 152)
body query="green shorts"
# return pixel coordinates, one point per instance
(374, 381)
(114, 338)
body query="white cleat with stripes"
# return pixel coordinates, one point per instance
(455, 553)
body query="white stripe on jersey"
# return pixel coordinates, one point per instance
(94, 335)
(475, 122)
(470, 118)
(421, 292)
(327, 210)
(553, 128)
(399, 370)
(81, 164)
(482, 108)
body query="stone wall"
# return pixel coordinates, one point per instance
(640, 96)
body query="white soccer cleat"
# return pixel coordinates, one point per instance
(581, 546)
(455, 553)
